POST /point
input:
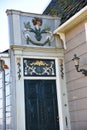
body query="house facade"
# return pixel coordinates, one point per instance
(74, 34)
(38, 83)
(46, 91)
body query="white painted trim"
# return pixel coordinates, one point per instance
(16, 30)
(62, 98)
(36, 78)
(20, 106)
(73, 21)
(62, 37)
(17, 12)
(59, 96)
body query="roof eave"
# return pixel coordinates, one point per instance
(72, 22)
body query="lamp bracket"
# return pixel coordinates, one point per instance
(83, 71)
(76, 62)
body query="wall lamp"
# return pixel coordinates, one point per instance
(76, 62)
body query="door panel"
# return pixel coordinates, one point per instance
(41, 105)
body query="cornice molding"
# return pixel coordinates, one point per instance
(36, 49)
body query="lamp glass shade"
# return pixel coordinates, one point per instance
(76, 60)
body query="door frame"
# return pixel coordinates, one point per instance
(61, 95)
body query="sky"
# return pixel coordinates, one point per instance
(31, 6)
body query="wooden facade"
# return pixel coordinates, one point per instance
(76, 42)
(75, 32)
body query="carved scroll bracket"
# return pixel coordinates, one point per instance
(62, 37)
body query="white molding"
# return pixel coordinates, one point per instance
(43, 53)
(18, 12)
(62, 37)
(16, 29)
(62, 97)
(73, 21)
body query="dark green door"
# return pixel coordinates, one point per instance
(41, 105)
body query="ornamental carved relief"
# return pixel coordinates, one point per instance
(39, 67)
(38, 33)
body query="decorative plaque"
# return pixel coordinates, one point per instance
(39, 67)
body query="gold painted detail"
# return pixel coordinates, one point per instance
(39, 63)
(38, 67)
(18, 60)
